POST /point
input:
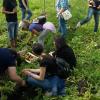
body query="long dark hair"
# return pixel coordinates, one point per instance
(60, 42)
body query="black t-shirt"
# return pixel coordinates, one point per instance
(6, 59)
(97, 4)
(9, 5)
(50, 64)
(67, 54)
(21, 4)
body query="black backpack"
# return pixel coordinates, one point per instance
(63, 68)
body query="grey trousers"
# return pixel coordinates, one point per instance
(42, 36)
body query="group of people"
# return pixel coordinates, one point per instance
(45, 76)
(10, 11)
(39, 25)
(94, 9)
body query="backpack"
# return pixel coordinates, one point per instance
(63, 68)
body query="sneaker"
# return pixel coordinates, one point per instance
(20, 24)
(78, 25)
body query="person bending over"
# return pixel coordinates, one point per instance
(8, 60)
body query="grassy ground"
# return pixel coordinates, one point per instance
(85, 43)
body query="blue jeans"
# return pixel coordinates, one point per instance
(62, 26)
(12, 30)
(58, 85)
(24, 12)
(53, 84)
(44, 84)
(96, 14)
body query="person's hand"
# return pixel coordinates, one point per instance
(91, 1)
(25, 72)
(14, 11)
(58, 14)
(23, 83)
(98, 7)
(51, 53)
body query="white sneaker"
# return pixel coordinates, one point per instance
(20, 24)
(78, 25)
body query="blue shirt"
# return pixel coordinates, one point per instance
(61, 4)
(36, 26)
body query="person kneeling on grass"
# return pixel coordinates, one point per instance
(64, 51)
(8, 60)
(38, 27)
(35, 27)
(46, 76)
(42, 29)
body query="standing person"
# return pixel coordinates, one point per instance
(61, 6)
(10, 11)
(24, 5)
(8, 60)
(46, 75)
(94, 9)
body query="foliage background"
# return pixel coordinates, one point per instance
(84, 41)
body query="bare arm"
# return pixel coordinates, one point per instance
(6, 12)
(61, 10)
(14, 77)
(34, 32)
(9, 12)
(32, 70)
(35, 76)
(15, 10)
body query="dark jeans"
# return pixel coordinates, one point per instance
(96, 14)
(24, 12)
(53, 84)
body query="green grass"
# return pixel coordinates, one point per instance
(83, 41)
